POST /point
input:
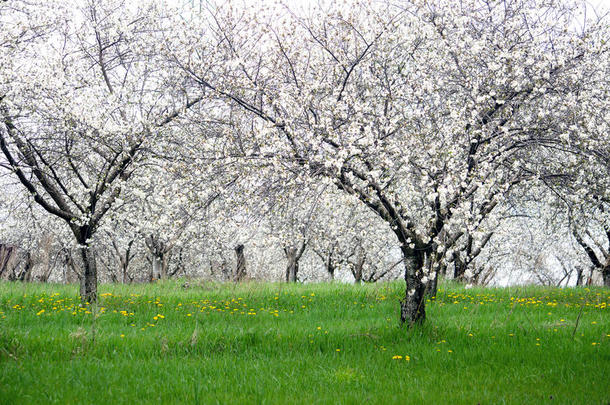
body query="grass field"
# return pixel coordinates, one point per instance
(313, 343)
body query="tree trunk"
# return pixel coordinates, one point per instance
(293, 254)
(160, 252)
(88, 286)
(6, 254)
(606, 275)
(158, 266)
(330, 265)
(358, 269)
(240, 269)
(71, 272)
(413, 307)
(459, 269)
(579, 275)
(28, 266)
(88, 280)
(292, 269)
(327, 258)
(330, 269)
(125, 275)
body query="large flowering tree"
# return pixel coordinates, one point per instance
(427, 113)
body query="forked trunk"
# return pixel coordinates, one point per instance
(293, 254)
(292, 270)
(159, 263)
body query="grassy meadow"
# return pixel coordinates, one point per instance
(303, 343)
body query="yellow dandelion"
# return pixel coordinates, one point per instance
(397, 357)
(40, 312)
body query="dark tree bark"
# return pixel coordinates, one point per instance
(330, 266)
(88, 281)
(606, 274)
(413, 306)
(459, 269)
(7, 255)
(240, 268)
(88, 286)
(602, 265)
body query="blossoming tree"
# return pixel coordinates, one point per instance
(420, 111)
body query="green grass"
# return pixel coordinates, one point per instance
(322, 343)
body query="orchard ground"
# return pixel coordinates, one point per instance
(302, 343)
